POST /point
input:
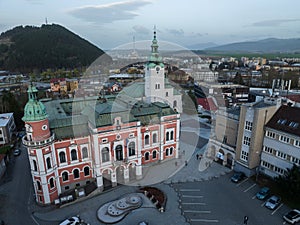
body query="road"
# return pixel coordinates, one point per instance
(16, 191)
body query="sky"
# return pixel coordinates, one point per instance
(111, 23)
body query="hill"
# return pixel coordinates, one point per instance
(270, 45)
(49, 46)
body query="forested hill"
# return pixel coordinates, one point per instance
(49, 46)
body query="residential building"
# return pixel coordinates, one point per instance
(281, 144)
(7, 127)
(252, 119)
(59, 85)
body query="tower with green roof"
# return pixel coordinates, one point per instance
(154, 74)
(38, 140)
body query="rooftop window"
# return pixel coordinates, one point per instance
(293, 124)
(281, 121)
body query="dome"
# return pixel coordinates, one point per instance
(34, 110)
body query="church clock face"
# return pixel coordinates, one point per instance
(157, 69)
(44, 127)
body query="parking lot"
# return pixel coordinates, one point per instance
(220, 201)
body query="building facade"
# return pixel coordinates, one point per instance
(281, 144)
(72, 143)
(253, 118)
(7, 127)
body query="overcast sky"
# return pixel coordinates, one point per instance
(110, 23)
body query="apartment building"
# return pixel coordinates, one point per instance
(7, 127)
(281, 144)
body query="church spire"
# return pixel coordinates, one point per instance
(154, 59)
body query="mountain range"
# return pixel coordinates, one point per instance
(270, 45)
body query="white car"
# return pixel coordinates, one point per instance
(74, 220)
(292, 216)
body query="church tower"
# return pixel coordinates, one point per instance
(154, 75)
(157, 87)
(39, 141)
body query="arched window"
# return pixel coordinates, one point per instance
(119, 152)
(34, 165)
(174, 104)
(62, 157)
(147, 139)
(154, 138)
(74, 154)
(65, 176)
(167, 151)
(38, 184)
(86, 171)
(76, 173)
(171, 150)
(48, 161)
(105, 154)
(147, 156)
(51, 182)
(167, 136)
(172, 135)
(131, 148)
(154, 155)
(85, 153)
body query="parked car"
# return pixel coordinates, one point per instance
(273, 202)
(237, 176)
(292, 216)
(263, 193)
(17, 152)
(74, 220)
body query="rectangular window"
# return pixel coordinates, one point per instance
(268, 149)
(247, 140)
(284, 139)
(266, 164)
(281, 155)
(278, 170)
(248, 125)
(244, 156)
(295, 160)
(270, 134)
(297, 143)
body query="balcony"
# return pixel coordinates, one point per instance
(38, 143)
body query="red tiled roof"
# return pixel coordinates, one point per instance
(207, 103)
(54, 80)
(295, 98)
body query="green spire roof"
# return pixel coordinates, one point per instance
(154, 59)
(34, 110)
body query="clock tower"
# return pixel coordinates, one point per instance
(39, 143)
(154, 75)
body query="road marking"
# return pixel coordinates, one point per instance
(284, 222)
(277, 209)
(189, 189)
(204, 220)
(263, 204)
(196, 211)
(193, 203)
(254, 197)
(32, 217)
(192, 196)
(242, 182)
(253, 185)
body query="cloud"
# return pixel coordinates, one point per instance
(109, 13)
(176, 32)
(273, 23)
(141, 30)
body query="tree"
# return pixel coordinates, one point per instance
(289, 183)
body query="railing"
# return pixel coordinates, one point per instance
(38, 143)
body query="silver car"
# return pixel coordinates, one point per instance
(292, 216)
(273, 202)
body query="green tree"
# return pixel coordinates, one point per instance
(289, 183)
